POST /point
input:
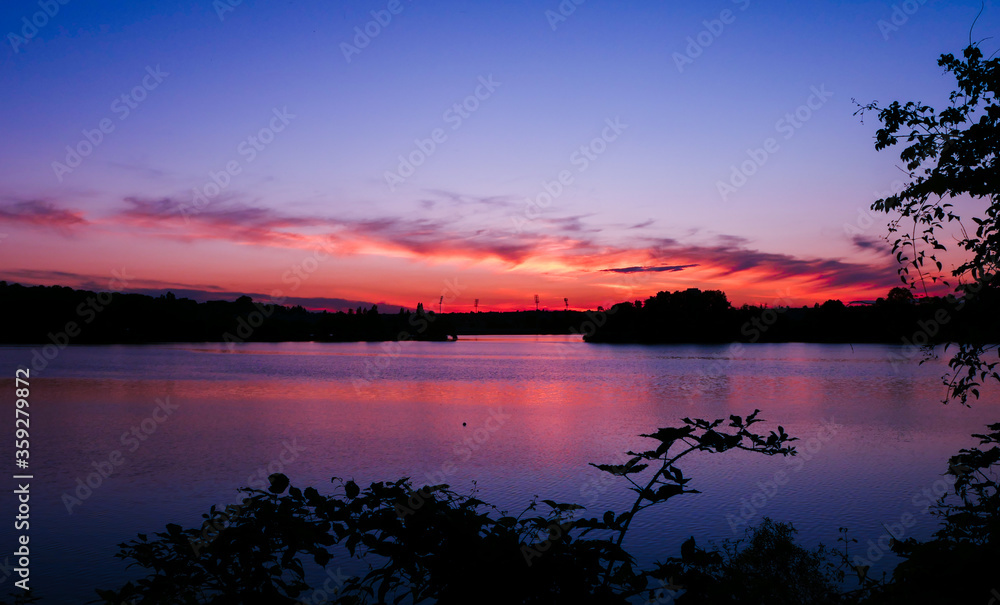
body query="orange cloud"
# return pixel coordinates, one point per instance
(568, 256)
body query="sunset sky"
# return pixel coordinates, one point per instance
(472, 150)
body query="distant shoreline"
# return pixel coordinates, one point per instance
(55, 316)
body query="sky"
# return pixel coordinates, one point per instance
(333, 154)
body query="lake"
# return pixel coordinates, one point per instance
(183, 426)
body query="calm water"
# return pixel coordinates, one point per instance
(314, 411)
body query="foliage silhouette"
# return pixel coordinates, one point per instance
(959, 565)
(431, 544)
(949, 153)
(764, 567)
(427, 544)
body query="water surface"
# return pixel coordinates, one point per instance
(379, 412)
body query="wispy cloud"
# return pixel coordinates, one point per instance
(568, 246)
(244, 223)
(642, 225)
(871, 244)
(732, 255)
(660, 269)
(465, 199)
(571, 224)
(41, 213)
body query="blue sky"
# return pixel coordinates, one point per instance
(650, 198)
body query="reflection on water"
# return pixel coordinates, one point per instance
(180, 427)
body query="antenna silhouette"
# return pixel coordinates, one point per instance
(477, 305)
(536, 302)
(440, 302)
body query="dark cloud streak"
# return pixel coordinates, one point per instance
(41, 213)
(661, 269)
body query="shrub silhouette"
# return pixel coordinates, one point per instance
(767, 566)
(959, 565)
(431, 544)
(427, 544)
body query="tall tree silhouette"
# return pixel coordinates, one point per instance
(949, 153)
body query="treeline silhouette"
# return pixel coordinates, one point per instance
(61, 315)
(692, 316)
(56, 314)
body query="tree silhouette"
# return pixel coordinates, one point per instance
(949, 153)
(899, 296)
